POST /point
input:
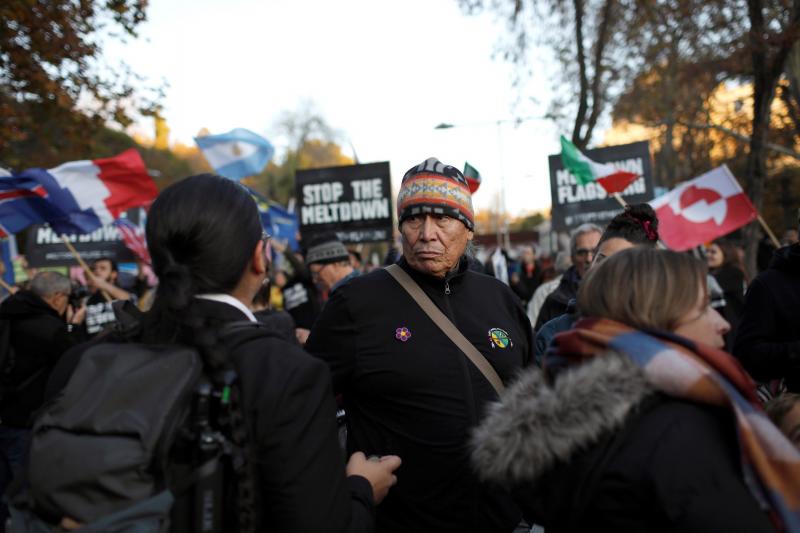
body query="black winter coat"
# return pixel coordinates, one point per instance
(291, 415)
(39, 336)
(419, 398)
(768, 338)
(556, 304)
(732, 282)
(601, 451)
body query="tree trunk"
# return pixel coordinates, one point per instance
(767, 69)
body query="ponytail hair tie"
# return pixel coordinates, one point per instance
(647, 225)
(648, 229)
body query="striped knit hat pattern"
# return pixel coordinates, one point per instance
(435, 188)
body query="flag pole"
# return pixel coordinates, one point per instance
(619, 198)
(766, 227)
(81, 262)
(6, 286)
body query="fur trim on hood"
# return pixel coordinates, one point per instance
(536, 425)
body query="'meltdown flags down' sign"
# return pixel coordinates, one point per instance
(702, 209)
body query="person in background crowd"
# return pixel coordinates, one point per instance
(527, 276)
(301, 299)
(768, 340)
(42, 326)
(329, 263)
(104, 289)
(498, 265)
(784, 411)
(286, 402)
(355, 260)
(582, 244)
(766, 249)
(637, 225)
(277, 321)
(724, 265)
(634, 423)
(560, 265)
(277, 283)
(790, 237)
(407, 388)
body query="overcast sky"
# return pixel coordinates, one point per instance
(382, 73)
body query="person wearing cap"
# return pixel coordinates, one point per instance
(329, 262)
(407, 388)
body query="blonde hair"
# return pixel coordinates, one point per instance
(643, 288)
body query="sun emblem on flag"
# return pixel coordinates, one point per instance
(236, 150)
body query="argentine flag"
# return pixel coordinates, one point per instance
(236, 154)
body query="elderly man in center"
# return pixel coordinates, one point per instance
(407, 388)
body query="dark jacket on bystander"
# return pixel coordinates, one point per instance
(768, 339)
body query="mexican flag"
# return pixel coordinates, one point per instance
(473, 177)
(586, 171)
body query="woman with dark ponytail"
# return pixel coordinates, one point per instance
(209, 253)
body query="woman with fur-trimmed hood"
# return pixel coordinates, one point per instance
(639, 421)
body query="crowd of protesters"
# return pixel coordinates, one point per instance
(611, 386)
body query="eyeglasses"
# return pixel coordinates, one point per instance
(583, 252)
(265, 238)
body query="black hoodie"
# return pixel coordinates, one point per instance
(39, 336)
(768, 340)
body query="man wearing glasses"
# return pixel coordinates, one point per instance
(582, 244)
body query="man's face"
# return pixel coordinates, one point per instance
(583, 253)
(58, 302)
(433, 244)
(327, 274)
(104, 270)
(528, 255)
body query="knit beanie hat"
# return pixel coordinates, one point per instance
(436, 188)
(326, 249)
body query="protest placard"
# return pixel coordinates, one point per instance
(355, 202)
(575, 204)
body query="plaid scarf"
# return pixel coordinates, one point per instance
(690, 371)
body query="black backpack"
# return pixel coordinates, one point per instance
(102, 452)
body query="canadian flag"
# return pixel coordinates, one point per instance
(702, 209)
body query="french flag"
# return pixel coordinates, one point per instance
(76, 197)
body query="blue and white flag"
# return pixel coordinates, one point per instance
(236, 154)
(278, 222)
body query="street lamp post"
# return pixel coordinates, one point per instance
(501, 226)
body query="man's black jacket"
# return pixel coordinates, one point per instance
(419, 398)
(39, 336)
(556, 304)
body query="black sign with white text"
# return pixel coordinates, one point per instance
(575, 204)
(46, 249)
(355, 202)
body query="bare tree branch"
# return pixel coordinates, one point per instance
(734, 134)
(580, 117)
